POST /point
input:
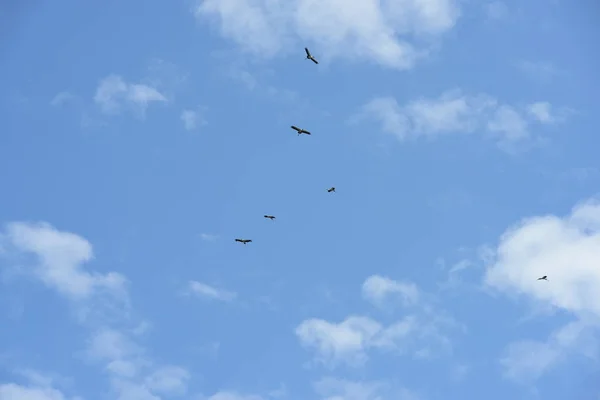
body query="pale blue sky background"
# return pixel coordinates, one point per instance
(138, 140)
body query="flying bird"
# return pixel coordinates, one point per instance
(543, 278)
(300, 131)
(331, 189)
(243, 240)
(309, 56)
(271, 217)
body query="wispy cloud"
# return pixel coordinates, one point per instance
(208, 237)
(255, 82)
(540, 71)
(210, 292)
(334, 388)
(422, 333)
(377, 288)
(114, 94)
(21, 392)
(453, 112)
(526, 360)
(62, 98)
(60, 264)
(375, 31)
(545, 113)
(231, 395)
(192, 119)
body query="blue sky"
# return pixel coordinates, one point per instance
(139, 139)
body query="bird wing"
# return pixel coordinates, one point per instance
(296, 128)
(314, 60)
(305, 131)
(239, 240)
(307, 52)
(248, 240)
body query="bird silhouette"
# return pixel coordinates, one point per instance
(300, 131)
(271, 217)
(543, 278)
(309, 56)
(244, 241)
(331, 189)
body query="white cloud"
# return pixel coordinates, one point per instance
(61, 256)
(509, 123)
(168, 380)
(204, 290)
(132, 373)
(192, 119)
(421, 333)
(114, 93)
(363, 29)
(62, 98)
(527, 360)
(454, 274)
(541, 111)
(230, 395)
(342, 389)
(567, 250)
(110, 344)
(12, 391)
(451, 113)
(126, 390)
(377, 288)
(344, 341)
(545, 113)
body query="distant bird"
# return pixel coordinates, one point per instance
(331, 189)
(309, 56)
(243, 240)
(543, 278)
(300, 131)
(271, 217)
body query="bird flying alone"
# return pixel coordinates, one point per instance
(271, 217)
(243, 240)
(309, 56)
(331, 189)
(543, 278)
(300, 131)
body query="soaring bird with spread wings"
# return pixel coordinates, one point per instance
(300, 131)
(543, 278)
(271, 217)
(309, 56)
(244, 240)
(331, 189)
